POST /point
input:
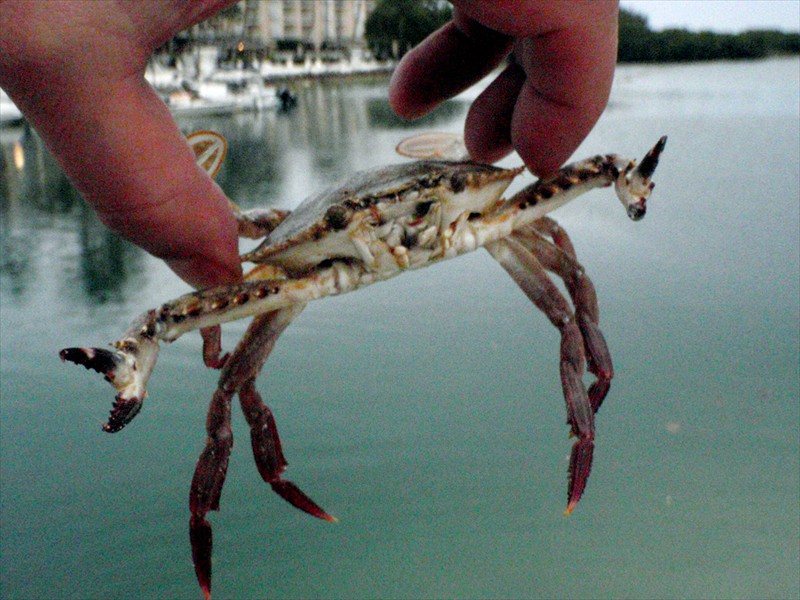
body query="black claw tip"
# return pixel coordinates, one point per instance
(96, 359)
(122, 413)
(650, 161)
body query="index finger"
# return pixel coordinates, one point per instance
(544, 105)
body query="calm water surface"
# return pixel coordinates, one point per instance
(426, 413)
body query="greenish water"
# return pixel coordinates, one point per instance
(426, 412)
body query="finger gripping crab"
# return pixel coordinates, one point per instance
(374, 226)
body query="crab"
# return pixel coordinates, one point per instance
(376, 225)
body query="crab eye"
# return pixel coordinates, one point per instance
(458, 182)
(336, 217)
(127, 346)
(422, 209)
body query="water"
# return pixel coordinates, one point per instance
(426, 413)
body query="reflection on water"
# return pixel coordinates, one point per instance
(38, 198)
(106, 259)
(426, 412)
(32, 188)
(320, 137)
(380, 116)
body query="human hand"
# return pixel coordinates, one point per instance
(76, 70)
(545, 103)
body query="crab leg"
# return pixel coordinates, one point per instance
(268, 454)
(238, 376)
(526, 270)
(209, 476)
(244, 366)
(561, 260)
(129, 365)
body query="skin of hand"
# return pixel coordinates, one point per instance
(544, 103)
(76, 71)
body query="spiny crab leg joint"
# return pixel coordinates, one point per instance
(372, 227)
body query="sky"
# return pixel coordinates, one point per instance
(722, 16)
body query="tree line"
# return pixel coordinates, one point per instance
(638, 43)
(396, 26)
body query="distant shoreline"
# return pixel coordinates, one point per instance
(328, 76)
(640, 44)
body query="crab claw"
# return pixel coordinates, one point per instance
(122, 412)
(633, 186)
(108, 364)
(649, 163)
(103, 361)
(127, 368)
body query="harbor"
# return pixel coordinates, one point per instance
(254, 56)
(198, 85)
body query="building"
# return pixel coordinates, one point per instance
(285, 31)
(318, 25)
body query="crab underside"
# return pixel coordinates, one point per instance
(373, 227)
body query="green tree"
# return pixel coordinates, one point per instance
(638, 43)
(635, 38)
(396, 26)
